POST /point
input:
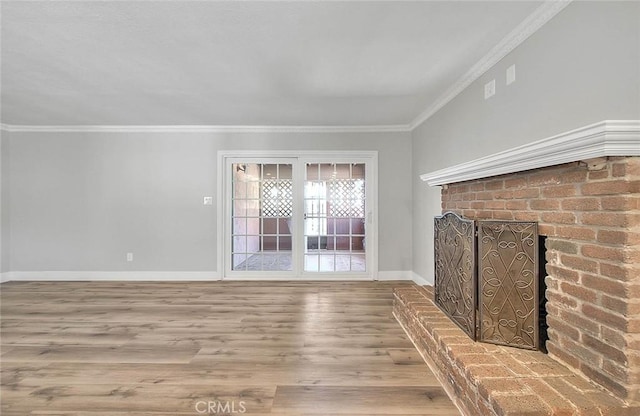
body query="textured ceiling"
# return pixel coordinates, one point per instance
(240, 63)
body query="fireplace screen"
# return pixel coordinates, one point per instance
(496, 299)
(455, 278)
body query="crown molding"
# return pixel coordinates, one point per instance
(528, 27)
(606, 138)
(205, 129)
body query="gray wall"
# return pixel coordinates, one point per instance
(5, 237)
(580, 68)
(80, 201)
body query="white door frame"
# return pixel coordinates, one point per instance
(370, 158)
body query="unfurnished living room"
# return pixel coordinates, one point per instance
(306, 208)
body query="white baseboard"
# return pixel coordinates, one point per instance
(113, 276)
(419, 280)
(160, 276)
(188, 276)
(394, 275)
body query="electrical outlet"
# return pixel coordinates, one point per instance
(511, 74)
(490, 89)
(129, 256)
(208, 200)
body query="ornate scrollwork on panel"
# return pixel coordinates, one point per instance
(455, 284)
(508, 275)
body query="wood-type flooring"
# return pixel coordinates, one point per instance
(203, 348)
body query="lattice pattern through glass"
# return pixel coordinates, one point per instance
(347, 198)
(262, 207)
(277, 199)
(334, 217)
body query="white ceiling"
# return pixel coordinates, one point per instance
(296, 63)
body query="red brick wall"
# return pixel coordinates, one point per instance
(590, 212)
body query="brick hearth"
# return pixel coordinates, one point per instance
(487, 379)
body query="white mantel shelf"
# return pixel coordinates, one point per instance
(606, 138)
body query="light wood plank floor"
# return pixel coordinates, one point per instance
(277, 348)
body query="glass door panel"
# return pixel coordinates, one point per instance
(334, 217)
(326, 203)
(262, 210)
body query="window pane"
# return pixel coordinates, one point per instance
(327, 263)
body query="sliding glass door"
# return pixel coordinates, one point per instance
(334, 217)
(261, 212)
(298, 217)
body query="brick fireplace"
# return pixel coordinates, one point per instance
(588, 207)
(589, 212)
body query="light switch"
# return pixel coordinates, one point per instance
(208, 200)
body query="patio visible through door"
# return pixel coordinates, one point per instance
(334, 217)
(262, 212)
(297, 216)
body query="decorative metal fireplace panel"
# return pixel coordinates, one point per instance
(496, 299)
(508, 283)
(455, 278)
